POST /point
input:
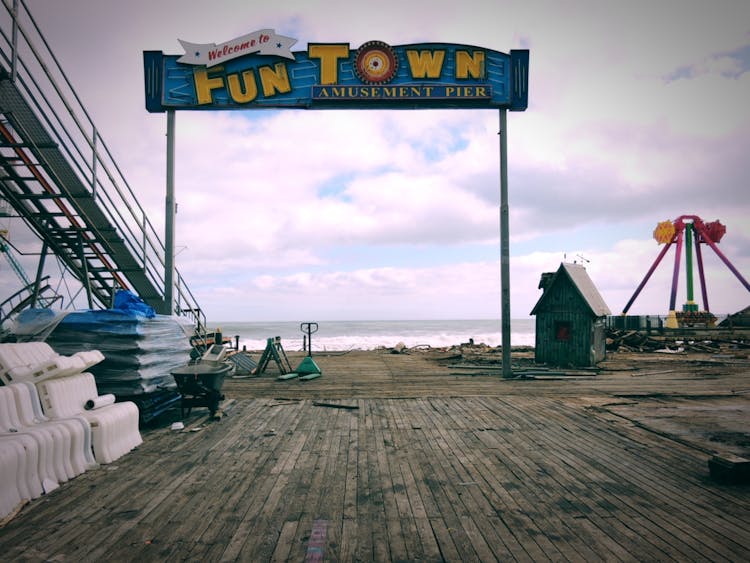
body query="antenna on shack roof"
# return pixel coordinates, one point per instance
(582, 259)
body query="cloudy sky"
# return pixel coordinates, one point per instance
(638, 113)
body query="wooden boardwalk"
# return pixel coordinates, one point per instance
(396, 458)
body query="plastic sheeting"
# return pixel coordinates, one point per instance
(139, 351)
(140, 348)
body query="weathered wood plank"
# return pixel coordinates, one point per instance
(552, 489)
(657, 480)
(268, 487)
(349, 521)
(384, 448)
(581, 471)
(610, 469)
(413, 480)
(554, 546)
(306, 475)
(465, 469)
(447, 489)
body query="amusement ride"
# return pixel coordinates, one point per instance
(688, 231)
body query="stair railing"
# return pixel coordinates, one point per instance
(38, 74)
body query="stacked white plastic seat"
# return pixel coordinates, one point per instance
(20, 478)
(74, 433)
(47, 442)
(43, 454)
(10, 496)
(64, 389)
(26, 462)
(37, 361)
(114, 426)
(22, 456)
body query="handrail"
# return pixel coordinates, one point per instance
(25, 301)
(39, 75)
(68, 139)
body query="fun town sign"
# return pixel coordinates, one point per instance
(259, 70)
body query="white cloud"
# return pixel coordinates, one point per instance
(637, 114)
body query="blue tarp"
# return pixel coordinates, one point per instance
(129, 301)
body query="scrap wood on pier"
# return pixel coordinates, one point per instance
(700, 341)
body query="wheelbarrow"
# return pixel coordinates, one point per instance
(200, 384)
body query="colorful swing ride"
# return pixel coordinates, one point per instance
(685, 230)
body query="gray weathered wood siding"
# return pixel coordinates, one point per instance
(585, 345)
(575, 351)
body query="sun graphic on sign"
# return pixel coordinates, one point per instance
(375, 63)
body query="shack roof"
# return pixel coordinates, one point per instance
(580, 279)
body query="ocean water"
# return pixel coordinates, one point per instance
(370, 335)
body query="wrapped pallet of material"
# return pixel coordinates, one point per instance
(140, 348)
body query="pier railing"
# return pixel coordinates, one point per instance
(59, 175)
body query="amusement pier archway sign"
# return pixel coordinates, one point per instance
(259, 71)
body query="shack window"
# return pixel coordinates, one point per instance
(562, 331)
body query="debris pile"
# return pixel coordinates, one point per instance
(636, 341)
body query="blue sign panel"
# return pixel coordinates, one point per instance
(249, 74)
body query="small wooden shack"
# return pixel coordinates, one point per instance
(570, 319)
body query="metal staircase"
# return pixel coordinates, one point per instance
(58, 175)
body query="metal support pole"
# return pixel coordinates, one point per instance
(723, 258)
(85, 266)
(689, 265)
(676, 271)
(647, 277)
(39, 273)
(169, 220)
(672, 321)
(701, 274)
(504, 245)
